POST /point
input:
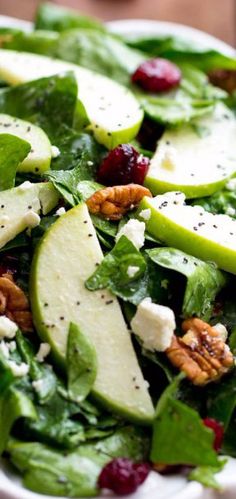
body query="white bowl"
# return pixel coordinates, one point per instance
(156, 486)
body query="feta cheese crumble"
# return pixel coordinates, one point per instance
(154, 325)
(134, 231)
(18, 370)
(44, 350)
(55, 152)
(32, 219)
(61, 211)
(4, 350)
(132, 270)
(8, 328)
(145, 214)
(37, 385)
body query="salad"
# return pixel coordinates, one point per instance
(118, 257)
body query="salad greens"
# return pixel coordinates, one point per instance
(55, 430)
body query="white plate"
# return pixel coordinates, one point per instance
(156, 486)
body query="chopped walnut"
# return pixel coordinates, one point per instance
(200, 353)
(14, 303)
(113, 202)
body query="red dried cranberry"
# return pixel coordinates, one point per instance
(123, 165)
(157, 75)
(218, 430)
(122, 476)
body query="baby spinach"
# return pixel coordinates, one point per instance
(57, 18)
(223, 201)
(81, 360)
(181, 50)
(113, 272)
(203, 283)
(75, 473)
(13, 151)
(179, 435)
(206, 475)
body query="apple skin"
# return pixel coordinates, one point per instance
(140, 409)
(191, 191)
(190, 242)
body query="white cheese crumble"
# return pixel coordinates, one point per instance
(230, 211)
(90, 163)
(61, 211)
(134, 231)
(18, 369)
(154, 325)
(26, 185)
(44, 350)
(132, 270)
(55, 152)
(32, 219)
(8, 328)
(38, 384)
(145, 214)
(231, 184)
(221, 330)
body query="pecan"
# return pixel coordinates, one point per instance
(14, 303)
(114, 202)
(224, 78)
(200, 353)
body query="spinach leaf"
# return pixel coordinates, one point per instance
(100, 52)
(221, 399)
(204, 280)
(173, 421)
(74, 146)
(181, 50)
(193, 98)
(56, 18)
(114, 271)
(14, 404)
(48, 102)
(74, 474)
(206, 475)
(70, 185)
(13, 151)
(38, 42)
(81, 360)
(223, 201)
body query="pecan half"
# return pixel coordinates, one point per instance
(113, 202)
(200, 353)
(14, 303)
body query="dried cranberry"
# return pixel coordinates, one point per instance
(157, 75)
(123, 476)
(218, 430)
(123, 165)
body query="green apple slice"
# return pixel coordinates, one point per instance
(20, 206)
(39, 158)
(66, 257)
(113, 111)
(196, 158)
(192, 229)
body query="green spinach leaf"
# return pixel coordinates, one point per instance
(173, 421)
(13, 151)
(204, 280)
(57, 18)
(206, 475)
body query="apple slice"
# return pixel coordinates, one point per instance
(197, 158)
(113, 111)
(20, 206)
(192, 229)
(39, 158)
(67, 255)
